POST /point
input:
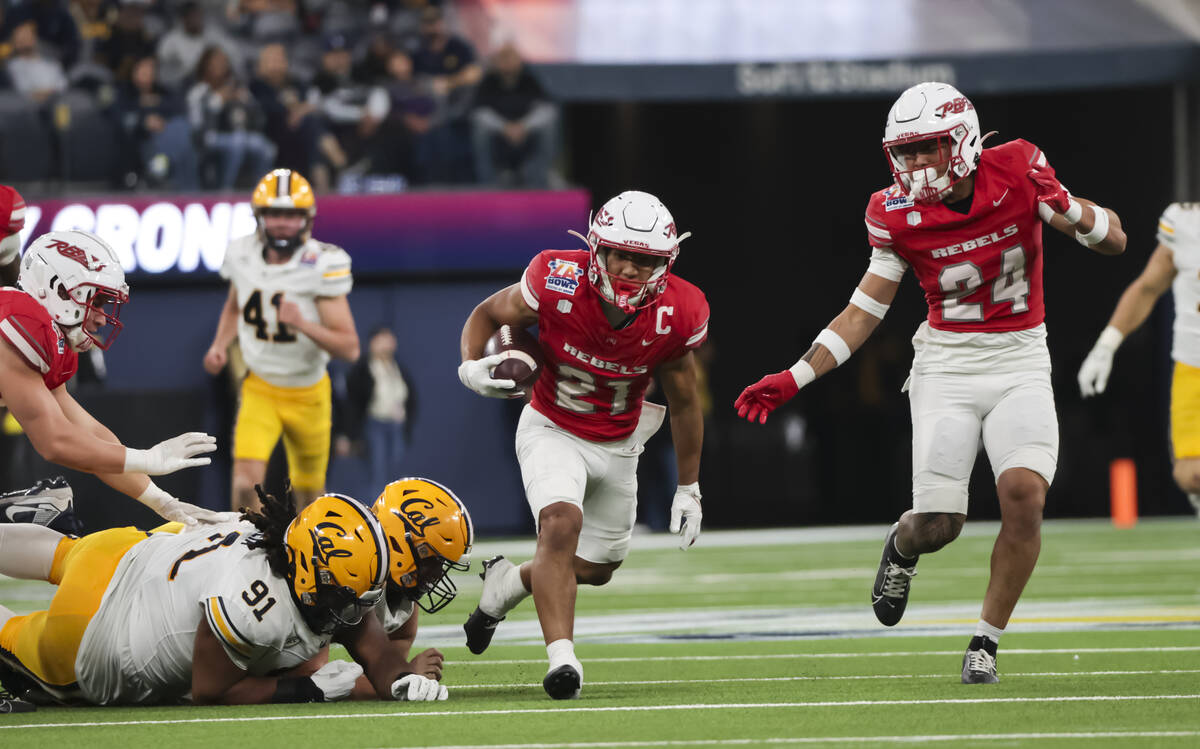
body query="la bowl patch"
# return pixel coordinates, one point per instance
(564, 276)
(897, 202)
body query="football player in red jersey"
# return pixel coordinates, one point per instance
(12, 221)
(72, 289)
(968, 220)
(608, 319)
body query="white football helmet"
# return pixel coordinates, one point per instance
(73, 274)
(932, 111)
(635, 222)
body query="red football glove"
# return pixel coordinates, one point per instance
(1050, 190)
(766, 395)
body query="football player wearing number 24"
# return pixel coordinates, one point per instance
(968, 220)
(609, 318)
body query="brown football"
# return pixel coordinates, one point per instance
(523, 355)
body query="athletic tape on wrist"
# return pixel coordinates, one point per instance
(1111, 337)
(802, 373)
(835, 344)
(1099, 229)
(867, 304)
(1074, 212)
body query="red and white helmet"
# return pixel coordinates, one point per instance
(634, 222)
(12, 221)
(929, 111)
(73, 273)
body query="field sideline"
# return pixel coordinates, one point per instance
(766, 638)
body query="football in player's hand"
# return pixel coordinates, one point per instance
(522, 352)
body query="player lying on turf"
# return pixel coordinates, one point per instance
(578, 441)
(72, 290)
(220, 612)
(969, 222)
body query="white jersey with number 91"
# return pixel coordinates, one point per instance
(138, 646)
(274, 351)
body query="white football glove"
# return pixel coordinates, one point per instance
(416, 688)
(336, 679)
(171, 455)
(1093, 375)
(476, 374)
(178, 511)
(686, 514)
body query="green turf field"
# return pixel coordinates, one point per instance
(767, 639)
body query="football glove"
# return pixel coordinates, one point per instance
(178, 511)
(1053, 195)
(336, 679)
(476, 374)
(416, 688)
(686, 514)
(171, 455)
(766, 395)
(1093, 374)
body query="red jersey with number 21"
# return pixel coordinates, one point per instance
(982, 271)
(595, 377)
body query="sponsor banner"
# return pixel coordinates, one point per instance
(177, 236)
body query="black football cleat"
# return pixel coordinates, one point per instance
(481, 626)
(10, 703)
(889, 595)
(979, 662)
(49, 502)
(563, 683)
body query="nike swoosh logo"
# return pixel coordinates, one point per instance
(647, 343)
(996, 203)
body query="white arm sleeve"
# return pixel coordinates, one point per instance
(887, 264)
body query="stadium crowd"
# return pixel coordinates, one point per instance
(209, 94)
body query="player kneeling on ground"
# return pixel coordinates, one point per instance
(969, 222)
(142, 618)
(578, 441)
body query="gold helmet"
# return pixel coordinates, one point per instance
(338, 560)
(284, 190)
(429, 532)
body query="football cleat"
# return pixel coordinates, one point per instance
(49, 502)
(10, 703)
(979, 662)
(480, 626)
(563, 683)
(889, 595)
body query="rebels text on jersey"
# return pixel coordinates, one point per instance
(27, 327)
(982, 271)
(595, 377)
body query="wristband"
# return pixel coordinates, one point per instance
(137, 461)
(835, 344)
(1074, 212)
(154, 497)
(1099, 229)
(1110, 338)
(297, 689)
(802, 373)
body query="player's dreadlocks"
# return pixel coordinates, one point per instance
(272, 522)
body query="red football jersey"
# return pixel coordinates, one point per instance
(26, 326)
(595, 377)
(981, 271)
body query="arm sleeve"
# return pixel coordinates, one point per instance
(334, 268)
(885, 263)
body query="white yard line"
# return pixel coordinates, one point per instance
(545, 712)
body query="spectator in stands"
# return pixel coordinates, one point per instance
(129, 41)
(513, 124)
(450, 62)
(180, 48)
(227, 120)
(373, 68)
(33, 74)
(156, 128)
(55, 27)
(411, 118)
(94, 19)
(292, 122)
(353, 110)
(378, 398)
(265, 21)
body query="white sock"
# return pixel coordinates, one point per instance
(562, 652)
(27, 550)
(512, 590)
(983, 629)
